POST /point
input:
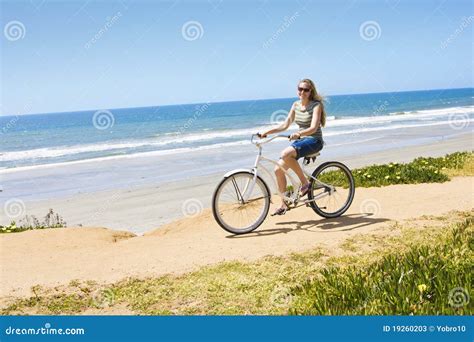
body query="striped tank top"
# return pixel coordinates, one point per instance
(303, 118)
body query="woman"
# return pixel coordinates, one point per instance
(309, 115)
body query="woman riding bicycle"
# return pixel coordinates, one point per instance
(309, 115)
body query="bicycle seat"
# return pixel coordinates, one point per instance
(310, 158)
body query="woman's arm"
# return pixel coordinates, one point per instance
(314, 123)
(284, 126)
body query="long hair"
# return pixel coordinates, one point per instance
(315, 96)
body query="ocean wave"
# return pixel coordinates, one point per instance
(392, 117)
(173, 138)
(178, 139)
(221, 146)
(129, 156)
(385, 128)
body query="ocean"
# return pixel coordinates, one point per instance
(58, 138)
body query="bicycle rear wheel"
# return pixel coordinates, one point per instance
(333, 194)
(239, 205)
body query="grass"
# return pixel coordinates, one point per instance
(426, 279)
(361, 279)
(30, 222)
(407, 270)
(420, 170)
(227, 288)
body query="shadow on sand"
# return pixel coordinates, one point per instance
(338, 224)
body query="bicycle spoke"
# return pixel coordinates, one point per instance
(338, 178)
(237, 191)
(235, 214)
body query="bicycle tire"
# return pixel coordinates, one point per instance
(253, 226)
(350, 198)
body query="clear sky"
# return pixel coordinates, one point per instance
(76, 55)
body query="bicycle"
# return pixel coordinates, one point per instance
(241, 201)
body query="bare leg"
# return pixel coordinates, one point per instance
(281, 179)
(288, 156)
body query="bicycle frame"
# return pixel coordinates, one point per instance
(296, 189)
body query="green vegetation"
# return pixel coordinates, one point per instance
(420, 170)
(429, 279)
(364, 276)
(29, 222)
(415, 267)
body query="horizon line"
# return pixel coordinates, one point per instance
(229, 101)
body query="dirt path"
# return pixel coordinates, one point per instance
(57, 256)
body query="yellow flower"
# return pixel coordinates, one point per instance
(422, 288)
(398, 177)
(387, 177)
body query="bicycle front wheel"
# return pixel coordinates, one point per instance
(332, 192)
(241, 202)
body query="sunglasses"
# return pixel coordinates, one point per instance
(303, 89)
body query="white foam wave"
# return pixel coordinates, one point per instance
(129, 156)
(353, 124)
(392, 117)
(156, 142)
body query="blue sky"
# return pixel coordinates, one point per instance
(77, 55)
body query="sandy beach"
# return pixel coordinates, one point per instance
(142, 208)
(146, 231)
(57, 256)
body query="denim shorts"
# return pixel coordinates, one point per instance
(306, 146)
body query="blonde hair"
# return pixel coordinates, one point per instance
(314, 96)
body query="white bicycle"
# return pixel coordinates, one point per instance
(242, 199)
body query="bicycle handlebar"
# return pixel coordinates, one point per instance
(268, 140)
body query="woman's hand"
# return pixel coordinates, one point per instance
(262, 135)
(295, 136)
